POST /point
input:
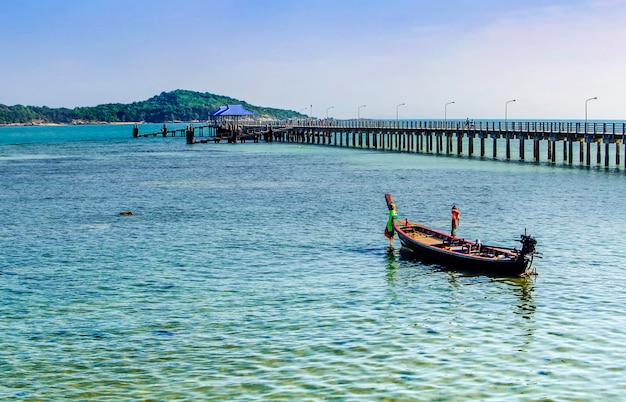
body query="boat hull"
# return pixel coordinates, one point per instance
(505, 264)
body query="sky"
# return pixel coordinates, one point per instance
(325, 57)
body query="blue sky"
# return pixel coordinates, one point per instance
(549, 55)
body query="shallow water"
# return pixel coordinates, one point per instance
(260, 271)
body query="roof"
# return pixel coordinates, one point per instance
(231, 110)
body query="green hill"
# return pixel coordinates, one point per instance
(178, 105)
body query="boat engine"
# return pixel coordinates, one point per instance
(528, 244)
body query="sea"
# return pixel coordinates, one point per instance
(259, 271)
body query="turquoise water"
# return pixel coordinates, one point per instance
(260, 272)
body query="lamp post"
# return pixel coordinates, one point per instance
(358, 112)
(311, 111)
(397, 106)
(506, 106)
(595, 97)
(327, 109)
(445, 112)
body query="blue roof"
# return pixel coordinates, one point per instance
(232, 110)
(219, 111)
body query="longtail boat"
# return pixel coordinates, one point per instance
(458, 253)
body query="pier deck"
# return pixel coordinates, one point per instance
(582, 142)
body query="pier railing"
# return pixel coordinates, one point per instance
(480, 126)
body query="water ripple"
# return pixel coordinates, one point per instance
(260, 273)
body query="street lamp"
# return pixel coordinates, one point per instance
(506, 105)
(358, 111)
(397, 106)
(327, 109)
(445, 111)
(595, 97)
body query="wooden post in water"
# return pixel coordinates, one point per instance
(190, 135)
(482, 144)
(581, 152)
(508, 147)
(570, 145)
(433, 142)
(398, 138)
(136, 131)
(522, 137)
(537, 146)
(606, 153)
(495, 145)
(549, 150)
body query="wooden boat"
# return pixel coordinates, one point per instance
(461, 254)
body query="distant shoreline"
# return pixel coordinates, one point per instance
(81, 123)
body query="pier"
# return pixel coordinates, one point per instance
(570, 142)
(230, 133)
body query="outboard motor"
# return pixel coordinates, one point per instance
(528, 244)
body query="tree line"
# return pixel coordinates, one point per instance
(178, 105)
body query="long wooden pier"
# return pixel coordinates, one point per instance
(537, 141)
